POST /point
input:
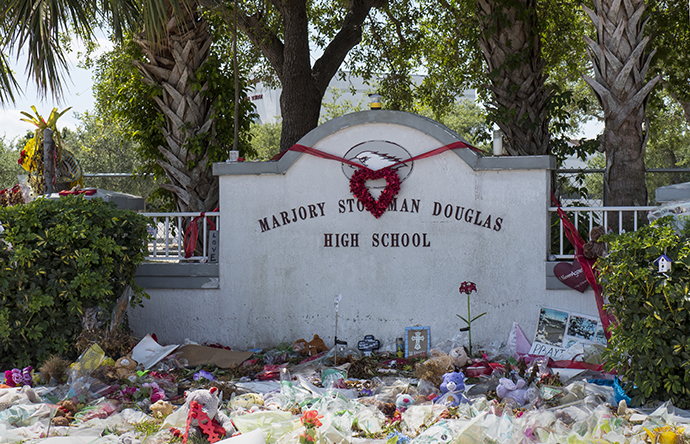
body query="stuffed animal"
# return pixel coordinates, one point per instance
(311, 348)
(125, 368)
(316, 346)
(247, 400)
(594, 249)
(161, 409)
(208, 400)
(452, 389)
(459, 357)
(64, 414)
(403, 401)
(433, 369)
(510, 391)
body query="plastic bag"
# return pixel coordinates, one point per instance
(679, 210)
(273, 423)
(99, 410)
(89, 361)
(270, 372)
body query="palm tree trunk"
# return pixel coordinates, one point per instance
(620, 65)
(511, 45)
(171, 65)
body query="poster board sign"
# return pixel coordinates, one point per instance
(417, 341)
(558, 330)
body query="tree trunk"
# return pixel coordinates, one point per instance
(620, 65)
(624, 179)
(300, 105)
(511, 45)
(303, 84)
(171, 65)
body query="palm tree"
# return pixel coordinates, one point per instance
(511, 45)
(171, 64)
(176, 43)
(620, 67)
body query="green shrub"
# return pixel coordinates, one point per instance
(66, 255)
(650, 345)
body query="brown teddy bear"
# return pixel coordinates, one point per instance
(125, 368)
(595, 249)
(314, 347)
(64, 415)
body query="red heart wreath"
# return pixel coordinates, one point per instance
(361, 192)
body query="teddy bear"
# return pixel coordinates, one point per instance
(316, 346)
(510, 391)
(452, 389)
(64, 414)
(311, 348)
(207, 401)
(435, 367)
(459, 357)
(247, 400)
(125, 368)
(595, 249)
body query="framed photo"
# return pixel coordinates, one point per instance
(417, 341)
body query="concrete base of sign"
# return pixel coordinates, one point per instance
(293, 237)
(678, 192)
(123, 201)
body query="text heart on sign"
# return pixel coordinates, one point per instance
(572, 275)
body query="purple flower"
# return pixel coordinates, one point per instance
(157, 393)
(26, 375)
(204, 374)
(128, 392)
(16, 377)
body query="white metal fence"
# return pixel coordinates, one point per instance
(168, 236)
(586, 218)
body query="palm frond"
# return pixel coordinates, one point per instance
(8, 83)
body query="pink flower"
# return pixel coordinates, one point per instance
(157, 393)
(9, 380)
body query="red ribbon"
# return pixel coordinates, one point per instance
(192, 234)
(324, 155)
(587, 265)
(377, 208)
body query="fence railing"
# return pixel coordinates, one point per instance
(586, 218)
(168, 232)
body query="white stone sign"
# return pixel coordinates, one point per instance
(293, 235)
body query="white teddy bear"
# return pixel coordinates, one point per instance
(208, 400)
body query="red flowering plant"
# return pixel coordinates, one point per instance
(361, 192)
(310, 420)
(468, 287)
